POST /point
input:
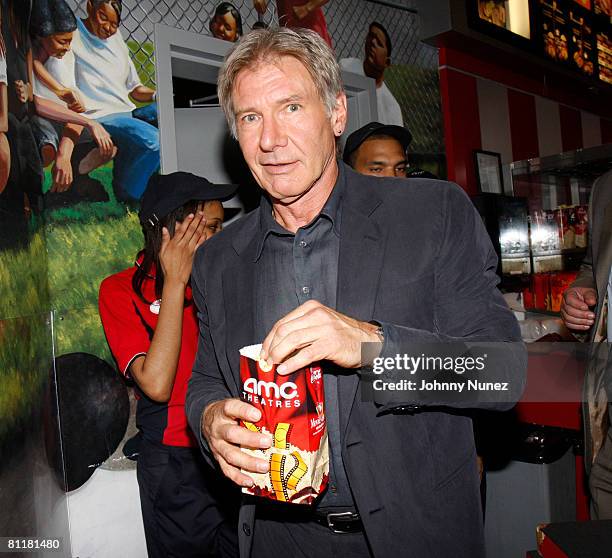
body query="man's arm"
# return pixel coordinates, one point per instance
(72, 99)
(138, 92)
(54, 111)
(468, 308)
(582, 293)
(469, 311)
(143, 94)
(212, 413)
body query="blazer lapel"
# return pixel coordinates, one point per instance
(362, 243)
(238, 284)
(238, 295)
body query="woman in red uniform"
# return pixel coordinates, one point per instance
(150, 323)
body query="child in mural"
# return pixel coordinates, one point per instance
(377, 60)
(110, 86)
(226, 23)
(297, 13)
(150, 323)
(52, 27)
(5, 150)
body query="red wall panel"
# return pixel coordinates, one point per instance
(523, 125)
(461, 126)
(571, 128)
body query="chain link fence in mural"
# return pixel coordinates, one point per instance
(413, 76)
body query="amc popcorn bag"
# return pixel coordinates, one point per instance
(292, 408)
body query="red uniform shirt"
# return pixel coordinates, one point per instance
(129, 324)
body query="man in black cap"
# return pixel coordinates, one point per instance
(150, 323)
(380, 150)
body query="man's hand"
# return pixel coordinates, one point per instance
(575, 307)
(313, 332)
(260, 6)
(61, 174)
(102, 138)
(176, 253)
(72, 99)
(220, 427)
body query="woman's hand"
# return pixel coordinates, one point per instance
(176, 253)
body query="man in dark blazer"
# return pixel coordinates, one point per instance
(331, 260)
(586, 311)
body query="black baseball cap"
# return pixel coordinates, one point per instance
(167, 192)
(353, 142)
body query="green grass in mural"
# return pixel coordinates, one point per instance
(86, 243)
(23, 276)
(25, 336)
(25, 358)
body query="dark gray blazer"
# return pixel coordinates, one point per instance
(412, 253)
(594, 274)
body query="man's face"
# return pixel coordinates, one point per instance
(57, 45)
(381, 157)
(104, 20)
(286, 136)
(376, 53)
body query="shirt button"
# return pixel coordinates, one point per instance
(306, 290)
(333, 488)
(303, 244)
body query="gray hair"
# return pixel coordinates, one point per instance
(268, 46)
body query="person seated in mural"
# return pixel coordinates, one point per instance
(150, 322)
(226, 23)
(381, 150)
(5, 150)
(110, 85)
(52, 27)
(377, 59)
(297, 13)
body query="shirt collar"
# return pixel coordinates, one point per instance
(330, 210)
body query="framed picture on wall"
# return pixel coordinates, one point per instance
(489, 172)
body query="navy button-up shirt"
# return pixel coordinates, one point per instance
(292, 269)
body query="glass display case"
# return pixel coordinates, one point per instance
(540, 229)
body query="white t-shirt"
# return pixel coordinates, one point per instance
(62, 70)
(389, 111)
(105, 73)
(3, 76)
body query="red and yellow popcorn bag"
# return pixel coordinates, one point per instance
(293, 412)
